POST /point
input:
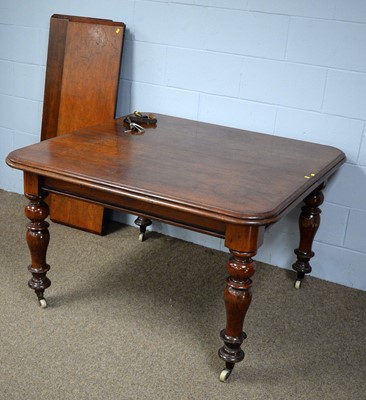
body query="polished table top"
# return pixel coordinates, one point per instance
(230, 173)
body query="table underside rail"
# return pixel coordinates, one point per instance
(155, 212)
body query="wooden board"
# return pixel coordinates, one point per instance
(82, 75)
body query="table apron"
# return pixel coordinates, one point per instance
(175, 216)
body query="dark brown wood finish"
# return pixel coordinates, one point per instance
(143, 223)
(221, 181)
(37, 236)
(82, 75)
(309, 222)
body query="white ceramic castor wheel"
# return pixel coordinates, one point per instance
(225, 373)
(43, 303)
(141, 237)
(297, 284)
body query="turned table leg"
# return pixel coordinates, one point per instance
(143, 223)
(309, 222)
(237, 297)
(38, 238)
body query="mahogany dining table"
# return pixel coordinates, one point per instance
(220, 181)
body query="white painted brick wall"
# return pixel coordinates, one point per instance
(28, 46)
(6, 143)
(335, 47)
(144, 62)
(164, 100)
(198, 71)
(321, 128)
(169, 23)
(350, 10)
(339, 264)
(283, 83)
(362, 154)
(348, 187)
(334, 218)
(29, 81)
(7, 42)
(232, 112)
(6, 77)
(309, 8)
(7, 111)
(345, 94)
(355, 238)
(246, 33)
(290, 67)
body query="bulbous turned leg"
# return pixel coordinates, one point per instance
(142, 223)
(237, 297)
(309, 222)
(38, 238)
